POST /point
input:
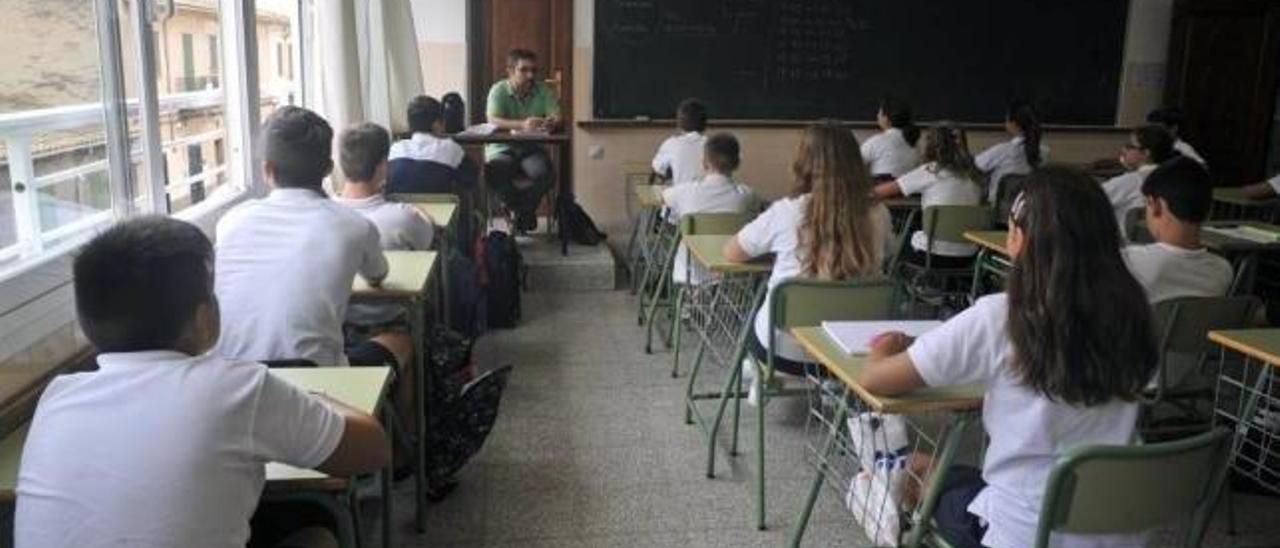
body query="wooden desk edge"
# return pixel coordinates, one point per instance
(1222, 338)
(728, 267)
(978, 238)
(879, 403)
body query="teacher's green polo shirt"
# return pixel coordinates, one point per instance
(504, 103)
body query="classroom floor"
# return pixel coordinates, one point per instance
(591, 451)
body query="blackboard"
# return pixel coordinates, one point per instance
(806, 59)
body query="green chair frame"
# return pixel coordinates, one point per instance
(695, 224)
(1119, 489)
(946, 223)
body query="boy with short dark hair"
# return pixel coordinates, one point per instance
(428, 161)
(716, 192)
(286, 262)
(1171, 119)
(165, 444)
(1178, 195)
(679, 158)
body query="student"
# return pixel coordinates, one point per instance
(892, 152)
(1062, 355)
(679, 158)
(1017, 156)
(1265, 190)
(948, 177)
(1171, 119)
(1148, 146)
(165, 444)
(717, 192)
(286, 262)
(1178, 195)
(363, 157)
(428, 161)
(827, 228)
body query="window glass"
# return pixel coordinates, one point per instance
(278, 31)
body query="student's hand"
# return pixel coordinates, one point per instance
(888, 344)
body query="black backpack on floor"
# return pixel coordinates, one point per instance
(502, 278)
(576, 225)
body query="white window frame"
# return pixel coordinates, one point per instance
(38, 286)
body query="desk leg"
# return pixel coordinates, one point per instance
(445, 247)
(933, 491)
(566, 167)
(421, 381)
(385, 479)
(802, 522)
(978, 269)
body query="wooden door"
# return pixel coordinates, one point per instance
(1223, 71)
(542, 26)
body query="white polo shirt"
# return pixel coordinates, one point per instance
(777, 231)
(1275, 183)
(887, 153)
(1189, 151)
(283, 276)
(938, 187)
(715, 193)
(1005, 159)
(161, 449)
(682, 155)
(1169, 272)
(1028, 431)
(402, 227)
(1125, 193)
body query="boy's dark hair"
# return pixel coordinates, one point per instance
(1183, 184)
(1169, 117)
(298, 145)
(722, 152)
(1157, 141)
(139, 283)
(520, 54)
(691, 115)
(1078, 321)
(424, 111)
(361, 149)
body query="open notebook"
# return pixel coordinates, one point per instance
(855, 337)
(1247, 232)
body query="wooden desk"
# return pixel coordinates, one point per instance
(407, 282)
(991, 240)
(1232, 204)
(1247, 395)
(563, 144)
(708, 251)
(362, 388)
(650, 196)
(442, 209)
(993, 258)
(962, 402)
(1243, 253)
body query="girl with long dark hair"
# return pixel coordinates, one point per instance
(892, 152)
(1023, 152)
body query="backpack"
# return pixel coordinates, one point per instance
(576, 225)
(461, 423)
(455, 112)
(502, 277)
(466, 297)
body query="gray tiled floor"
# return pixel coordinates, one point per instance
(591, 451)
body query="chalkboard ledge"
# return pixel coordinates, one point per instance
(626, 123)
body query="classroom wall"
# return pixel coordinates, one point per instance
(599, 177)
(441, 26)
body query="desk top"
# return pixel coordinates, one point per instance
(1262, 344)
(993, 240)
(902, 202)
(708, 250)
(649, 196)
(1221, 242)
(847, 367)
(507, 137)
(360, 387)
(439, 207)
(408, 276)
(1235, 196)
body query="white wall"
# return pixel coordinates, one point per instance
(441, 26)
(1146, 58)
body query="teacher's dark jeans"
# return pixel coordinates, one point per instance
(502, 170)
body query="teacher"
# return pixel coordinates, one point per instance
(521, 174)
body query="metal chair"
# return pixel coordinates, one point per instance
(1184, 324)
(927, 283)
(1120, 489)
(692, 225)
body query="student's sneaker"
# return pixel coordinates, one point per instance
(754, 397)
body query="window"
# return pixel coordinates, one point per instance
(278, 25)
(213, 54)
(188, 64)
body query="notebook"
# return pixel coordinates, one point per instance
(1247, 232)
(855, 337)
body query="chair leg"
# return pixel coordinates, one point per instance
(760, 382)
(802, 522)
(734, 375)
(737, 411)
(677, 331)
(693, 377)
(652, 315)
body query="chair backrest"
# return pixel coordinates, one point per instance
(1129, 489)
(1184, 323)
(948, 223)
(801, 302)
(695, 224)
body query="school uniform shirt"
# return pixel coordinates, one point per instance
(777, 231)
(159, 448)
(425, 163)
(1169, 272)
(1125, 193)
(1028, 431)
(938, 187)
(682, 156)
(1007, 158)
(283, 275)
(1189, 151)
(1275, 183)
(715, 193)
(401, 227)
(887, 153)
